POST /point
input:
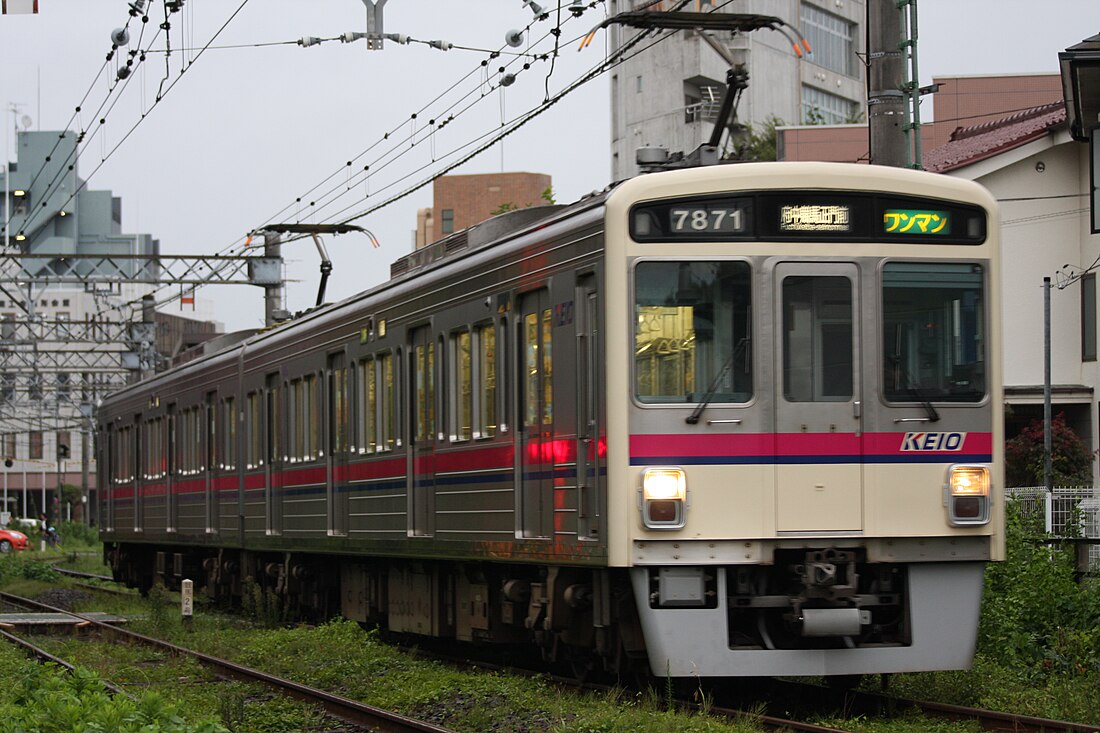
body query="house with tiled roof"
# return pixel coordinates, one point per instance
(1009, 133)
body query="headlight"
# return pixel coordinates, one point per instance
(967, 495)
(664, 493)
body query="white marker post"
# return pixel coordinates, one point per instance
(187, 602)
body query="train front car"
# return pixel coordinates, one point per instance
(809, 482)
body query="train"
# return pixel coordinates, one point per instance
(727, 421)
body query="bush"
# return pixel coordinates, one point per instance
(16, 567)
(79, 534)
(1071, 459)
(39, 699)
(1036, 618)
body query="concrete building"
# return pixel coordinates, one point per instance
(462, 201)
(45, 329)
(669, 95)
(1010, 135)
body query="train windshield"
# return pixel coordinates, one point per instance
(692, 332)
(934, 332)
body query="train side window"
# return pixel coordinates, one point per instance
(539, 383)
(504, 387)
(180, 444)
(367, 404)
(229, 433)
(424, 355)
(294, 411)
(462, 387)
(340, 410)
(486, 381)
(274, 424)
(254, 459)
(313, 411)
(387, 428)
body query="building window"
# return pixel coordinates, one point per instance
(65, 445)
(1088, 317)
(448, 221)
(34, 450)
(821, 108)
(7, 446)
(831, 39)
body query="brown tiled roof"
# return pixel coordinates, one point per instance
(971, 144)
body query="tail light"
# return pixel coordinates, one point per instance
(967, 495)
(664, 494)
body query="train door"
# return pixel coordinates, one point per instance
(422, 428)
(273, 457)
(536, 415)
(588, 409)
(336, 448)
(819, 476)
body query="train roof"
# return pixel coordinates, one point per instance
(409, 268)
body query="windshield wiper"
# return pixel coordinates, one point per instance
(693, 418)
(929, 408)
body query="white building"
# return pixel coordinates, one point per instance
(668, 96)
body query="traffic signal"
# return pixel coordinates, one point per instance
(62, 450)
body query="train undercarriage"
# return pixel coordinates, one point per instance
(816, 601)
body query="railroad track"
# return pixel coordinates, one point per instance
(871, 703)
(344, 708)
(361, 714)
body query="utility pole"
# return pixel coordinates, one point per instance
(273, 293)
(886, 98)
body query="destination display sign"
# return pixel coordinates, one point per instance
(829, 216)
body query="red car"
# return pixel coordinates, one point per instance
(12, 540)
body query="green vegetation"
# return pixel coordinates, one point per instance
(45, 699)
(1039, 640)
(1038, 653)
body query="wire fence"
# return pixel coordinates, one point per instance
(1067, 511)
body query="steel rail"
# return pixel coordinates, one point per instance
(344, 708)
(45, 656)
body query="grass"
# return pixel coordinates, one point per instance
(1039, 654)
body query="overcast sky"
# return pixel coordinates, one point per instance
(247, 131)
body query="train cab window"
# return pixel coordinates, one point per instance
(934, 339)
(368, 401)
(486, 382)
(692, 330)
(462, 409)
(818, 335)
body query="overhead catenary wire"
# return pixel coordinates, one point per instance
(618, 56)
(160, 96)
